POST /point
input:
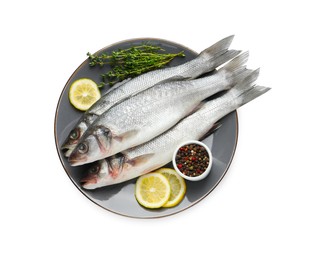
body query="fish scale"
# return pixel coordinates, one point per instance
(151, 112)
(206, 61)
(157, 152)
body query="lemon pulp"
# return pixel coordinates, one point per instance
(83, 93)
(152, 190)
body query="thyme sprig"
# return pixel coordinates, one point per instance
(131, 62)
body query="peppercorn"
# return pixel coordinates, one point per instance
(192, 159)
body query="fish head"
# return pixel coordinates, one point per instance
(93, 146)
(103, 173)
(76, 133)
(72, 140)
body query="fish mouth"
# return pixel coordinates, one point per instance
(67, 149)
(89, 182)
(68, 146)
(76, 161)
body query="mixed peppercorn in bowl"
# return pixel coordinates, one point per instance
(192, 160)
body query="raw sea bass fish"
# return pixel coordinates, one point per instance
(156, 153)
(151, 112)
(206, 61)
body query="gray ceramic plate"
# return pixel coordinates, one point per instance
(120, 198)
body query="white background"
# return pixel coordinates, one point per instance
(263, 208)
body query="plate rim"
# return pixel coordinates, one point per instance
(60, 155)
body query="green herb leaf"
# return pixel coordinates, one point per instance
(131, 62)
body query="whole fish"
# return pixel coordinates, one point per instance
(151, 112)
(156, 153)
(206, 61)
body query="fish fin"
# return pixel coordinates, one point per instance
(218, 48)
(175, 78)
(251, 94)
(121, 137)
(245, 84)
(246, 90)
(223, 58)
(140, 159)
(218, 53)
(236, 69)
(237, 62)
(214, 128)
(117, 85)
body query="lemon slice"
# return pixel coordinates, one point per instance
(83, 93)
(178, 186)
(152, 190)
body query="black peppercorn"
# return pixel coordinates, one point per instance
(192, 159)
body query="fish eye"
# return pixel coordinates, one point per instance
(95, 169)
(74, 134)
(83, 148)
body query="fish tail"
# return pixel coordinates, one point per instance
(218, 53)
(245, 84)
(236, 69)
(223, 58)
(238, 63)
(246, 90)
(240, 94)
(251, 94)
(218, 48)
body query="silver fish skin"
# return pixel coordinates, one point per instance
(206, 61)
(156, 153)
(151, 112)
